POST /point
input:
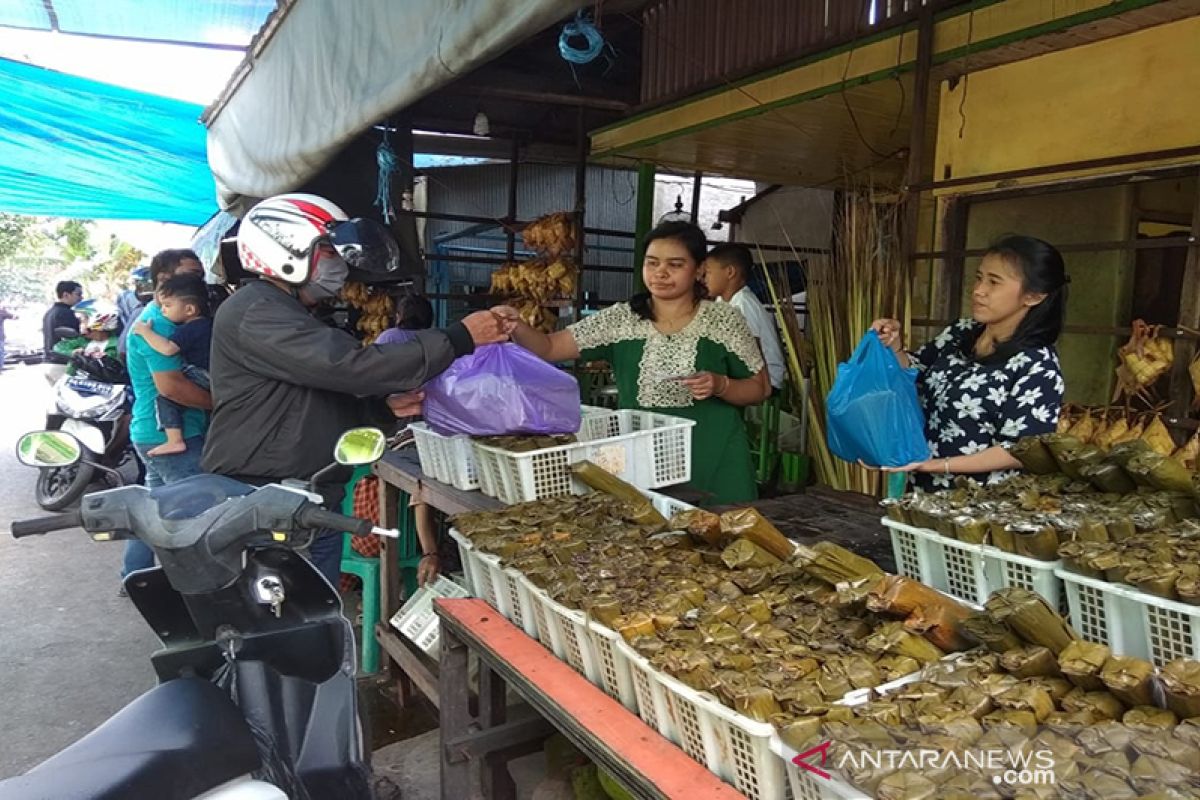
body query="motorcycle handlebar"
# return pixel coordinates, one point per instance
(313, 516)
(33, 527)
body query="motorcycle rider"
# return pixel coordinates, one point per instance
(59, 315)
(285, 385)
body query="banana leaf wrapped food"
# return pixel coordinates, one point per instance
(893, 638)
(896, 509)
(1029, 616)
(703, 526)
(1123, 451)
(602, 480)
(1160, 472)
(1075, 558)
(1157, 579)
(1181, 685)
(1103, 705)
(1158, 437)
(1027, 697)
(1108, 477)
(1081, 663)
(1187, 586)
(1030, 661)
(1097, 784)
(1151, 773)
(835, 564)
(747, 523)
(1034, 456)
(745, 554)
(1059, 444)
(1073, 461)
(1000, 535)
(1035, 540)
(970, 529)
(906, 785)
(1131, 680)
(995, 636)
(1151, 718)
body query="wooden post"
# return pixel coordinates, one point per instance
(697, 185)
(454, 715)
(916, 137)
(582, 148)
(493, 705)
(389, 583)
(514, 157)
(1189, 317)
(643, 222)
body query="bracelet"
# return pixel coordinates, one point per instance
(947, 466)
(725, 388)
(429, 555)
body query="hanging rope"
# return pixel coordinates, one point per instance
(385, 156)
(580, 27)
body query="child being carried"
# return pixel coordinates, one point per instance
(184, 302)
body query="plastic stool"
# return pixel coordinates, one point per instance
(367, 569)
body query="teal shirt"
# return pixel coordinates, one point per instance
(143, 361)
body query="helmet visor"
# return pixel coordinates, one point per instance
(366, 245)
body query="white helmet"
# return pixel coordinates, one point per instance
(279, 237)
(99, 315)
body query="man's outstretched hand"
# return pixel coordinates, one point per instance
(407, 404)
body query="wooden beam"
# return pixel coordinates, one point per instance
(412, 664)
(1189, 317)
(916, 137)
(500, 737)
(539, 97)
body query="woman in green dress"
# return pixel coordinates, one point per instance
(674, 352)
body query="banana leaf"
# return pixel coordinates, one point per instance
(1029, 616)
(1030, 661)
(1160, 472)
(1131, 680)
(1081, 663)
(1181, 684)
(1108, 477)
(1034, 456)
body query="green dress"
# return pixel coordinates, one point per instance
(644, 362)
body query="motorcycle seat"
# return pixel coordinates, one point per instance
(178, 740)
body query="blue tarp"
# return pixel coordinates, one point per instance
(73, 147)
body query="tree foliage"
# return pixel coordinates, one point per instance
(74, 237)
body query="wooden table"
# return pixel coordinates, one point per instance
(641, 760)
(399, 472)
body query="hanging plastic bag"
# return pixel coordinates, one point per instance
(872, 412)
(502, 389)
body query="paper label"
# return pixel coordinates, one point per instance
(610, 458)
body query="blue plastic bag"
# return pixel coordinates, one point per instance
(872, 413)
(502, 389)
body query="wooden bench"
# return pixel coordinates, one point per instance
(641, 760)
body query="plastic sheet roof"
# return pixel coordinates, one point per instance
(74, 147)
(222, 23)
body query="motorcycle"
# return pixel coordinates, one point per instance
(92, 406)
(256, 697)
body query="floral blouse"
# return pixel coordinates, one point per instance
(970, 407)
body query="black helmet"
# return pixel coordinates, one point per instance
(368, 248)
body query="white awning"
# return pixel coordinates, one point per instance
(331, 68)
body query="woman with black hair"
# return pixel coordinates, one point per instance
(674, 352)
(987, 381)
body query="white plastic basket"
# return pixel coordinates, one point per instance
(449, 459)
(416, 619)
(969, 572)
(1130, 621)
(645, 449)
(730, 745)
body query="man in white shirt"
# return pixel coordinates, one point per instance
(726, 272)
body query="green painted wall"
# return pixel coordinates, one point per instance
(1101, 283)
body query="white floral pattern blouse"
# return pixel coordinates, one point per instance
(970, 407)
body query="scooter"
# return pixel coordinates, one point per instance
(256, 697)
(91, 405)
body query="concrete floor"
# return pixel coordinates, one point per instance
(71, 652)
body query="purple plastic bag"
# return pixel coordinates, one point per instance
(502, 389)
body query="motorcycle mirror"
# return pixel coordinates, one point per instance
(44, 449)
(359, 446)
